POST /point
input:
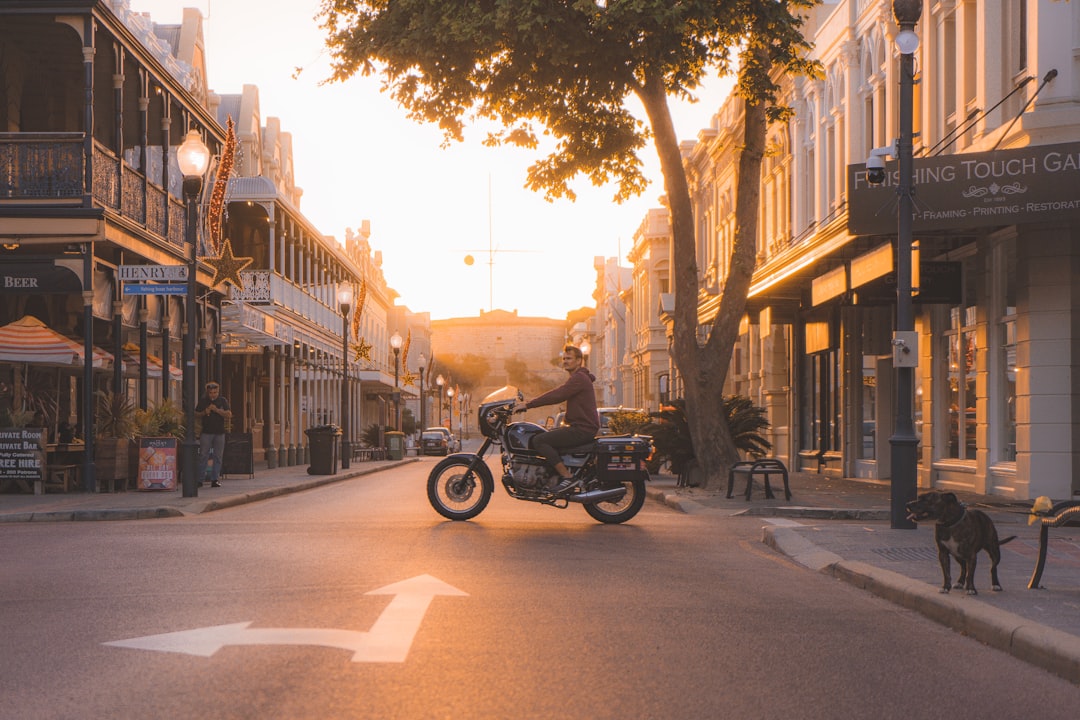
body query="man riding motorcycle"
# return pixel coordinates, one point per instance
(582, 421)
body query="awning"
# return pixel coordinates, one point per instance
(28, 340)
(154, 366)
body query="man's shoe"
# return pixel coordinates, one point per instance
(215, 484)
(564, 485)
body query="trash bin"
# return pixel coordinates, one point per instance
(395, 445)
(323, 449)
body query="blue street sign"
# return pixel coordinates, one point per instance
(155, 289)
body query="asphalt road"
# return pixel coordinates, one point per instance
(549, 615)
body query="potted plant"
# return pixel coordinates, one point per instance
(114, 425)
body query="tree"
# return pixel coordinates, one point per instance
(562, 71)
(525, 380)
(466, 371)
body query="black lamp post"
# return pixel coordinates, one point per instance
(440, 381)
(193, 157)
(450, 408)
(395, 343)
(905, 348)
(423, 400)
(345, 298)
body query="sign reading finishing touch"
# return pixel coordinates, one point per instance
(142, 273)
(1039, 183)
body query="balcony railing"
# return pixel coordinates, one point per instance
(41, 166)
(266, 287)
(44, 167)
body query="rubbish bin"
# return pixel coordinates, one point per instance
(323, 449)
(395, 445)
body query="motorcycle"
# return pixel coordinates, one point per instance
(609, 473)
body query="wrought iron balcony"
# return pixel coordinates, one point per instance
(42, 169)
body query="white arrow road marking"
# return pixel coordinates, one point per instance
(388, 640)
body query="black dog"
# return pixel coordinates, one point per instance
(959, 532)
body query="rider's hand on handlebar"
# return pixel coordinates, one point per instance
(520, 407)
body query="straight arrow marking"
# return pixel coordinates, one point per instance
(388, 640)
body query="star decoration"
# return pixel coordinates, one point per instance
(408, 379)
(227, 266)
(362, 349)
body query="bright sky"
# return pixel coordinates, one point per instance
(358, 158)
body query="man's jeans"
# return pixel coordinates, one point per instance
(206, 443)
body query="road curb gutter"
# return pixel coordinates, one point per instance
(1052, 650)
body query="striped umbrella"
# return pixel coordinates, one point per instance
(28, 340)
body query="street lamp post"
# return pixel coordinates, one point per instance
(450, 408)
(345, 298)
(904, 444)
(440, 381)
(192, 157)
(423, 400)
(395, 343)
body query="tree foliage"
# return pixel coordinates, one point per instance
(555, 76)
(465, 372)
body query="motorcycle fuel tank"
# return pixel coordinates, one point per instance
(519, 434)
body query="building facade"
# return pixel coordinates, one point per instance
(94, 100)
(997, 149)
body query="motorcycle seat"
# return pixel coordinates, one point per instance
(580, 449)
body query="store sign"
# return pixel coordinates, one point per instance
(1035, 184)
(22, 456)
(37, 277)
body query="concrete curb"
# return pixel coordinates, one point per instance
(675, 501)
(165, 511)
(314, 482)
(1032, 642)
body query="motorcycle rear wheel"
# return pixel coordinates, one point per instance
(622, 509)
(456, 493)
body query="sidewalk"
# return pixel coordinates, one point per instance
(133, 505)
(842, 528)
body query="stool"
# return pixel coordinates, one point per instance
(63, 477)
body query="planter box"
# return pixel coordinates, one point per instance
(111, 460)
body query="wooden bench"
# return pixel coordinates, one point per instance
(61, 477)
(1060, 514)
(765, 468)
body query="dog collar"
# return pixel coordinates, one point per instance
(964, 513)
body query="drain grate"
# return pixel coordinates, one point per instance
(900, 554)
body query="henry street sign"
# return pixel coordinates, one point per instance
(161, 273)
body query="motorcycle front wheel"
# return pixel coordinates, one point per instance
(622, 509)
(456, 492)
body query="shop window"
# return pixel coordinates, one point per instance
(868, 448)
(960, 420)
(821, 421)
(1004, 381)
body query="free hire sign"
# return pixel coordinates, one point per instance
(1039, 183)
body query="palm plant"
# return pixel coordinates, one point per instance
(671, 432)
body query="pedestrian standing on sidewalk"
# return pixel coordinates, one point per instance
(214, 411)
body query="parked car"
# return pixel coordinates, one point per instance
(438, 441)
(605, 414)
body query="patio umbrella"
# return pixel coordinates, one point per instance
(154, 365)
(28, 340)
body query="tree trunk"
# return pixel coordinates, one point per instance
(704, 367)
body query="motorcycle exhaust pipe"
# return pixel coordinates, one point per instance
(598, 496)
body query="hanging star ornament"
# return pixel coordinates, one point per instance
(227, 266)
(362, 350)
(408, 379)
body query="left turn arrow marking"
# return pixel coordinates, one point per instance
(388, 640)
